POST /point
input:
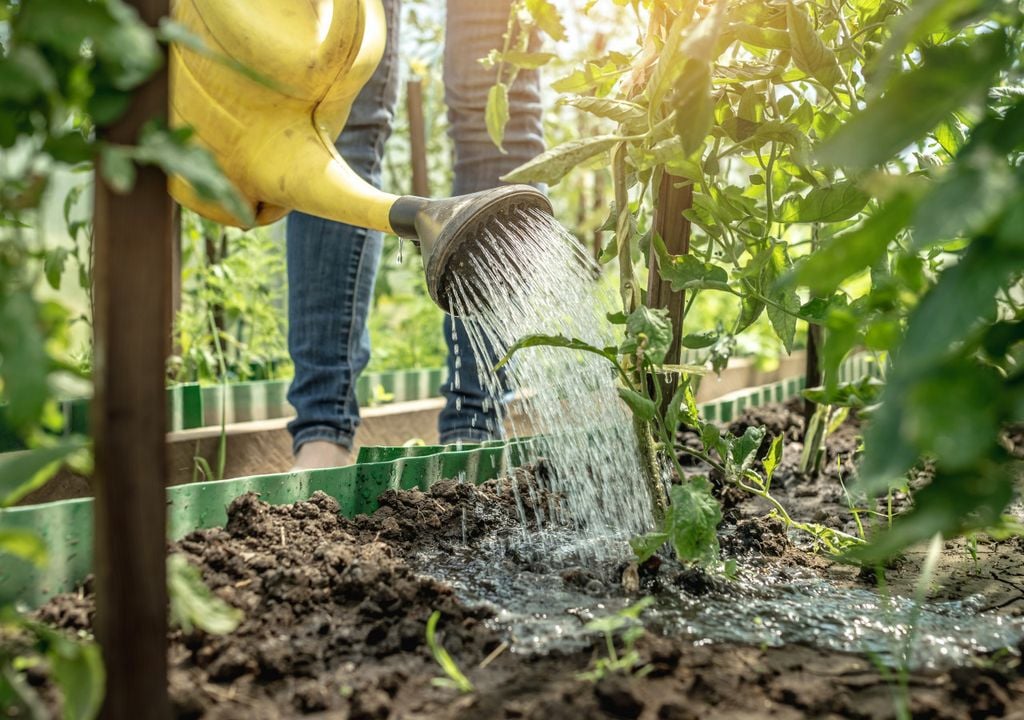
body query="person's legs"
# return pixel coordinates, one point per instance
(474, 27)
(331, 273)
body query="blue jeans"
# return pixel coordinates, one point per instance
(332, 266)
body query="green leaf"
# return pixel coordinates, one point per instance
(53, 265)
(24, 471)
(70, 147)
(123, 46)
(744, 449)
(750, 310)
(787, 133)
(692, 521)
(701, 43)
(964, 201)
(675, 406)
(496, 115)
(915, 102)
(773, 458)
(117, 168)
(691, 412)
(621, 111)
(826, 204)
(686, 272)
(761, 37)
(642, 407)
(175, 154)
(193, 604)
(950, 135)
(644, 546)
(810, 54)
(696, 341)
(851, 252)
(653, 328)
(547, 18)
(551, 166)
(78, 672)
(785, 305)
(24, 363)
(25, 75)
(24, 544)
(694, 106)
(527, 60)
(783, 319)
(540, 340)
(860, 394)
(963, 297)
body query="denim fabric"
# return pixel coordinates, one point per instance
(332, 266)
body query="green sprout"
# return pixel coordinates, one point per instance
(456, 679)
(626, 623)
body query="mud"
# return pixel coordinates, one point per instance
(335, 617)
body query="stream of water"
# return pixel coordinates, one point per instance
(540, 281)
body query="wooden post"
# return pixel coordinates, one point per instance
(133, 288)
(176, 260)
(815, 336)
(674, 229)
(812, 369)
(417, 137)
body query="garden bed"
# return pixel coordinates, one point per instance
(336, 610)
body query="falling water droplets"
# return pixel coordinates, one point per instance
(531, 277)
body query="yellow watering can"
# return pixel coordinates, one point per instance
(275, 140)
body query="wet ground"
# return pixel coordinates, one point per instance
(336, 611)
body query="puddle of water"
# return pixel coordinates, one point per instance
(521, 581)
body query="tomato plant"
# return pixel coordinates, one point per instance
(855, 135)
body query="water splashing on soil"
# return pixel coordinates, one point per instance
(542, 601)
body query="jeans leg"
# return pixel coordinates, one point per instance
(331, 272)
(474, 27)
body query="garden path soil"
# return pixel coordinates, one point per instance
(335, 619)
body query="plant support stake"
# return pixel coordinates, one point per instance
(132, 324)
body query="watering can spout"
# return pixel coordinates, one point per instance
(272, 130)
(454, 233)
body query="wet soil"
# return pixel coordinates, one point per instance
(335, 617)
(989, 569)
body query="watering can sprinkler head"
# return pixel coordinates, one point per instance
(453, 232)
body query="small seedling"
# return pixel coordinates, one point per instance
(456, 679)
(626, 623)
(193, 604)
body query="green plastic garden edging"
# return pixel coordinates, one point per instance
(192, 406)
(66, 526)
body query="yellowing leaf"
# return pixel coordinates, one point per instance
(496, 115)
(547, 18)
(527, 60)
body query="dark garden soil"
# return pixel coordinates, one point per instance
(335, 617)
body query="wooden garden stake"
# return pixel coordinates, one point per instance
(812, 371)
(133, 241)
(674, 229)
(815, 336)
(417, 137)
